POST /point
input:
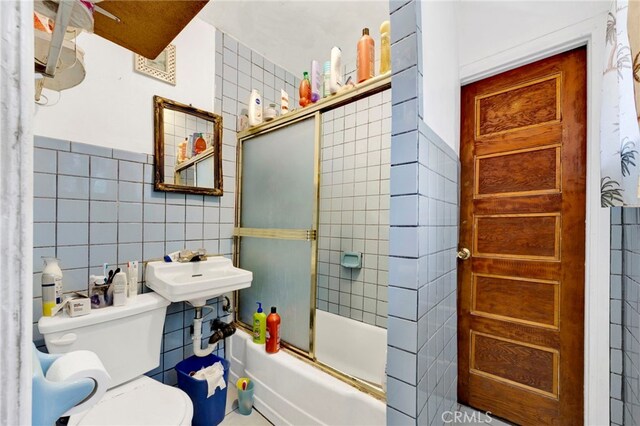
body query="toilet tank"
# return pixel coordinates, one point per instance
(126, 338)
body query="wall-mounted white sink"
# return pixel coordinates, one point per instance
(195, 282)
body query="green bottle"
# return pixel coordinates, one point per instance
(259, 325)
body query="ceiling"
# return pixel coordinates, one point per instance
(291, 33)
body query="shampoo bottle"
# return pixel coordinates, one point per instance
(335, 79)
(52, 272)
(316, 81)
(273, 332)
(326, 79)
(259, 325)
(305, 90)
(366, 56)
(255, 108)
(385, 47)
(120, 281)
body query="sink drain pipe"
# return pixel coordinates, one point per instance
(221, 330)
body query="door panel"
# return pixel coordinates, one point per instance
(521, 294)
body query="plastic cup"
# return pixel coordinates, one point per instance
(245, 400)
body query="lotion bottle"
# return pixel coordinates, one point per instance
(120, 289)
(52, 272)
(259, 325)
(336, 78)
(273, 332)
(255, 108)
(366, 56)
(305, 90)
(316, 81)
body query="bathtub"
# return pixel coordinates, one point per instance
(289, 391)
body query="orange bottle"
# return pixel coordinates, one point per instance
(366, 56)
(305, 90)
(273, 332)
(200, 144)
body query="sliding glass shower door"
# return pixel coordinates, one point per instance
(276, 230)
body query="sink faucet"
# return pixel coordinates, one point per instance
(192, 256)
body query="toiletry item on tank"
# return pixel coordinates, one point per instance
(336, 77)
(259, 325)
(326, 79)
(284, 102)
(200, 144)
(48, 294)
(366, 56)
(132, 280)
(53, 271)
(270, 113)
(273, 332)
(316, 81)
(305, 90)
(120, 289)
(255, 108)
(385, 47)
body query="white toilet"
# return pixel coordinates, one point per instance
(127, 339)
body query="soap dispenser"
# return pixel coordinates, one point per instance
(259, 325)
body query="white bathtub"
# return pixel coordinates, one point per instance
(289, 391)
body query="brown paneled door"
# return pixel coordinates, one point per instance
(521, 290)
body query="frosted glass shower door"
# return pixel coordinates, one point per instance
(278, 206)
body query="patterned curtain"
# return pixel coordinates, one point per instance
(619, 131)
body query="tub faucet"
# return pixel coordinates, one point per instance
(192, 256)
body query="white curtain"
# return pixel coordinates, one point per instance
(16, 194)
(619, 131)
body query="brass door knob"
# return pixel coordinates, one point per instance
(464, 254)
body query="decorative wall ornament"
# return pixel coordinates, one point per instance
(619, 131)
(163, 67)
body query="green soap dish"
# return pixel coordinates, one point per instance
(351, 259)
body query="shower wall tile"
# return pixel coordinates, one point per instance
(354, 209)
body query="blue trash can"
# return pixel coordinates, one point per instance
(206, 411)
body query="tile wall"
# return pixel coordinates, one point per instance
(615, 334)
(354, 209)
(422, 344)
(626, 362)
(94, 205)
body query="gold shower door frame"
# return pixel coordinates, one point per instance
(370, 87)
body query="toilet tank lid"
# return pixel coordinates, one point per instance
(62, 322)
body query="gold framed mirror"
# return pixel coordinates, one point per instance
(188, 148)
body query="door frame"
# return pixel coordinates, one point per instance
(589, 32)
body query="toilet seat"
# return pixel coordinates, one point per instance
(142, 401)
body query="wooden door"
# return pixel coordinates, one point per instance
(521, 292)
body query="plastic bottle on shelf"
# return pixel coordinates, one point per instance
(255, 108)
(273, 332)
(336, 79)
(305, 90)
(316, 81)
(385, 47)
(366, 56)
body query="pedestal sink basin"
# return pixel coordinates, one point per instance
(195, 282)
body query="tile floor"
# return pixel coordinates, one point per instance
(234, 418)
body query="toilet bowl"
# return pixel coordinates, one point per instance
(127, 339)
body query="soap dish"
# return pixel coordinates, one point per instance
(351, 259)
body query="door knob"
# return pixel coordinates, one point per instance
(464, 254)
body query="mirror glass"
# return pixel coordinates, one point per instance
(187, 147)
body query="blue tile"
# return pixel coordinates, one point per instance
(73, 187)
(154, 232)
(73, 164)
(153, 250)
(194, 214)
(194, 231)
(175, 232)
(103, 233)
(129, 252)
(44, 185)
(154, 213)
(130, 171)
(75, 279)
(129, 232)
(105, 168)
(175, 198)
(103, 253)
(104, 211)
(128, 191)
(404, 21)
(130, 212)
(71, 234)
(148, 174)
(152, 196)
(403, 334)
(171, 358)
(44, 160)
(176, 213)
(401, 396)
(405, 117)
(404, 53)
(73, 257)
(73, 210)
(405, 84)
(50, 143)
(403, 303)
(104, 190)
(84, 148)
(44, 234)
(44, 210)
(130, 156)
